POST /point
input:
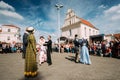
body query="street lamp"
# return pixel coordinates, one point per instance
(58, 6)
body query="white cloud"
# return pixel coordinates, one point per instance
(5, 6)
(11, 14)
(7, 10)
(109, 21)
(113, 9)
(113, 13)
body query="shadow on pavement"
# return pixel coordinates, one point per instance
(38, 77)
(70, 58)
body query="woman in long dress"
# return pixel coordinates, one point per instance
(84, 56)
(42, 52)
(30, 59)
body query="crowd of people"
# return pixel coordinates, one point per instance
(98, 48)
(105, 48)
(10, 48)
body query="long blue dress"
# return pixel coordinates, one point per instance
(84, 56)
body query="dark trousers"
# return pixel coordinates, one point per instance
(24, 51)
(23, 55)
(76, 57)
(49, 61)
(76, 53)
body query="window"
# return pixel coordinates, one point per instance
(14, 35)
(85, 31)
(8, 30)
(89, 31)
(70, 22)
(8, 38)
(70, 32)
(96, 32)
(69, 15)
(18, 30)
(93, 32)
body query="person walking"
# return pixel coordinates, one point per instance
(25, 43)
(76, 44)
(30, 57)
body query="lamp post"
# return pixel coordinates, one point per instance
(58, 6)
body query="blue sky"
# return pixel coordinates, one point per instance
(42, 15)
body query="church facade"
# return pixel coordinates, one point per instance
(75, 25)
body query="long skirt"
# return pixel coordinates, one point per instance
(30, 64)
(42, 57)
(84, 56)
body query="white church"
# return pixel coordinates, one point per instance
(10, 34)
(75, 25)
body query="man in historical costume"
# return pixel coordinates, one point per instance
(30, 57)
(25, 43)
(49, 49)
(76, 45)
(84, 55)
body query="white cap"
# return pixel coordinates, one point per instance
(30, 29)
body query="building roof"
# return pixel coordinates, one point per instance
(117, 35)
(87, 23)
(10, 25)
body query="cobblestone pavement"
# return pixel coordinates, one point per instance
(63, 68)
